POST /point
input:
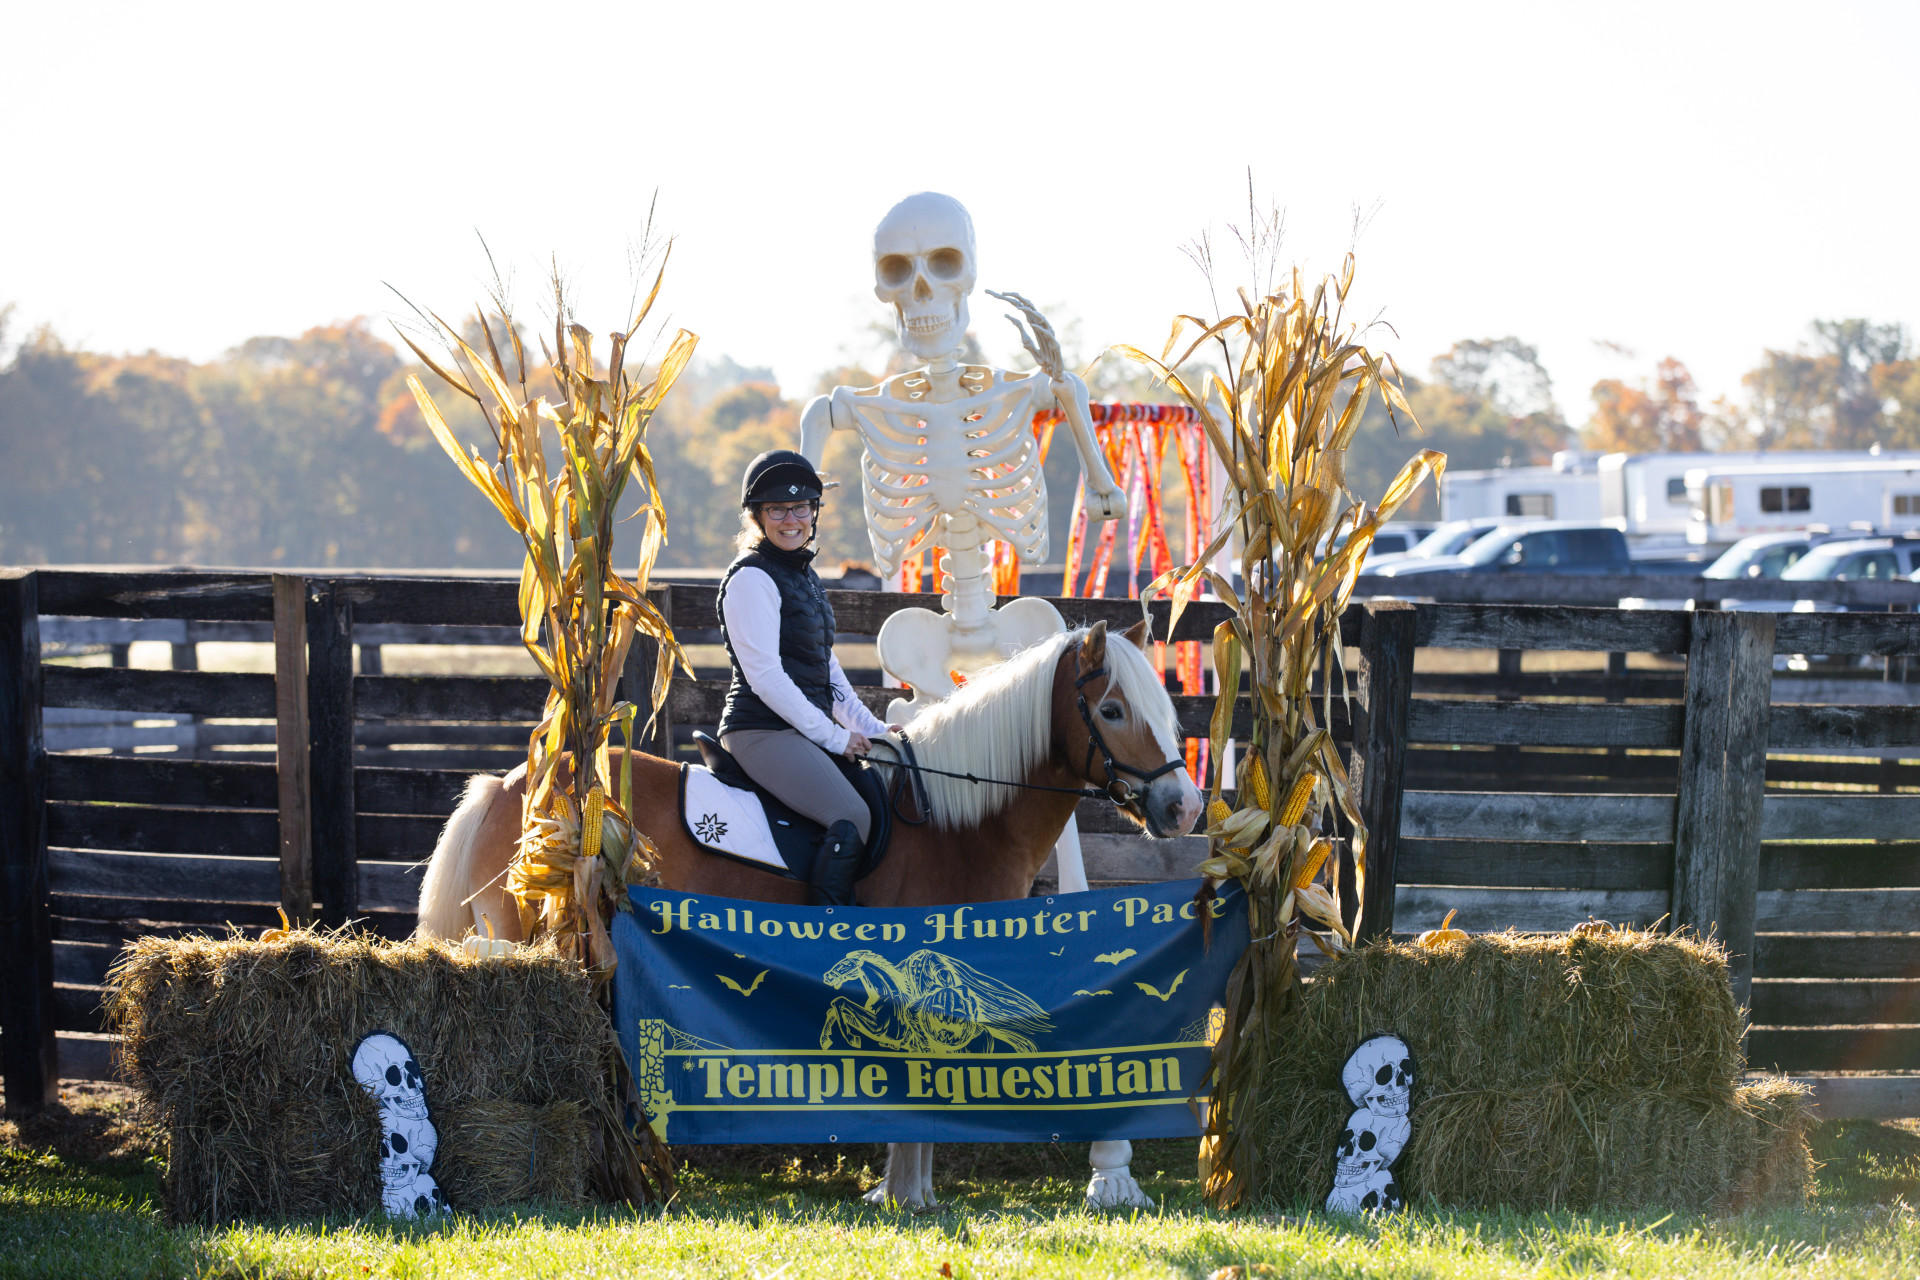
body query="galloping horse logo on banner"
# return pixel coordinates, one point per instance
(930, 1004)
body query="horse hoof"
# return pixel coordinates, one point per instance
(1116, 1189)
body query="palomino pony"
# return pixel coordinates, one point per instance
(1078, 709)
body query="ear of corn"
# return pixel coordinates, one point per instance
(1290, 386)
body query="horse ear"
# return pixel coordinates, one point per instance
(1093, 647)
(1138, 635)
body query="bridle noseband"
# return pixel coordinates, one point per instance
(1117, 789)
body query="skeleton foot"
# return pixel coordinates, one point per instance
(1113, 1186)
(908, 1181)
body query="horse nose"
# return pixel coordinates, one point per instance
(1185, 810)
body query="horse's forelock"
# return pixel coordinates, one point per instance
(1145, 692)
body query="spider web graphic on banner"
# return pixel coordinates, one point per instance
(1072, 1017)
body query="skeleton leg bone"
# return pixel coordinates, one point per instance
(908, 1180)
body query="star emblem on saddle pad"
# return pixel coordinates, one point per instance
(710, 828)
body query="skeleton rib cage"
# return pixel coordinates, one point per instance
(976, 456)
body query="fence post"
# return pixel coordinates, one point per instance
(636, 681)
(29, 1054)
(330, 712)
(1387, 637)
(290, 745)
(1723, 768)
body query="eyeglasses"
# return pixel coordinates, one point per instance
(798, 510)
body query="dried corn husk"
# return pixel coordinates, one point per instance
(1290, 387)
(578, 848)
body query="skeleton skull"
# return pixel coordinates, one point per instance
(1369, 1142)
(923, 264)
(407, 1148)
(1375, 1192)
(385, 1068)
(417, 1197)
(1379, 1076)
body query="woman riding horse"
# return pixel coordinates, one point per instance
(790, 709)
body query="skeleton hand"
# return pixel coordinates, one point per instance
(1105, 503)
(1041, 345)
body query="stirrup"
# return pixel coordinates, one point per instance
(837, 865)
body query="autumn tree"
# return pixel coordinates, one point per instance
(1657, 415)
(1832, 394)
(1485, 403)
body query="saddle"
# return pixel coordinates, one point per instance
(728, 814)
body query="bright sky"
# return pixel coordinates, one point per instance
(1699, 180)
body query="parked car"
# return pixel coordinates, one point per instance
(1763, 555)
(1853, 560)
(1448, 539)
(1394, 538)
(1531, 547)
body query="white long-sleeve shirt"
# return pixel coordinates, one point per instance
(751, 606)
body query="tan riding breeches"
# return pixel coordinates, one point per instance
(801, 774)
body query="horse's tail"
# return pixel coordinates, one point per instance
(444, 911)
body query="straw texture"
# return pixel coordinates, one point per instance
(1567, 1071)
(242, 1051)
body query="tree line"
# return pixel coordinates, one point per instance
(309, 451)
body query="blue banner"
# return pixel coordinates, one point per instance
(1067, 1018)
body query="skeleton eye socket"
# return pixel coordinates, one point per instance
(895, 269)
(1368, 1140)
(393, 1075)
(946, 263)
(1112, 711)
(399, 1143)
(1385, 1074)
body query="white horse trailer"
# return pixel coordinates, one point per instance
(1645, 494)
(1730, 502)
(1564, 491)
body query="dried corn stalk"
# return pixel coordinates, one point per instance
(578, 615)
(1300, 383)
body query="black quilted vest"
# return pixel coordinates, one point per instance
(806, 639)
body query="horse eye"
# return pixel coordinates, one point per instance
(1112, 711)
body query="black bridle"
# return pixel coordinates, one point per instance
(1117, 789)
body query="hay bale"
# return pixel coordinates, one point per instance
(241, 1051)
(1566, 1071)
(555, 1141)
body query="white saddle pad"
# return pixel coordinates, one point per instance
(726, 819)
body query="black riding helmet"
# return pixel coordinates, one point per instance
(780, 475)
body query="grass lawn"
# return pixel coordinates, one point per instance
(77, 1199)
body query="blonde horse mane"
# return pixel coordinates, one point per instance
(1000, 724)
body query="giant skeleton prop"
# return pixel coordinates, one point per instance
(950, 454)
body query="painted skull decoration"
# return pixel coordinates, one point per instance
(1379, 1080)
(1379, 1076)
(385, 1068)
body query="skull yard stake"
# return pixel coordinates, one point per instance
(950, 452)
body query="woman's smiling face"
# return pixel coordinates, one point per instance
(788, 526)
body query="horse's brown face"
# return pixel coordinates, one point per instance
(1147, 762)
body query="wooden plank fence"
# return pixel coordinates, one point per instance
(1525, 799)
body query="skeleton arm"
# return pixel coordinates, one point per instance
(1105, 499)
(816, 422)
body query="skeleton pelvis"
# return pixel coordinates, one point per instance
(922, 648)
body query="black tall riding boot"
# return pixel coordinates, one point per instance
(837, 865)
